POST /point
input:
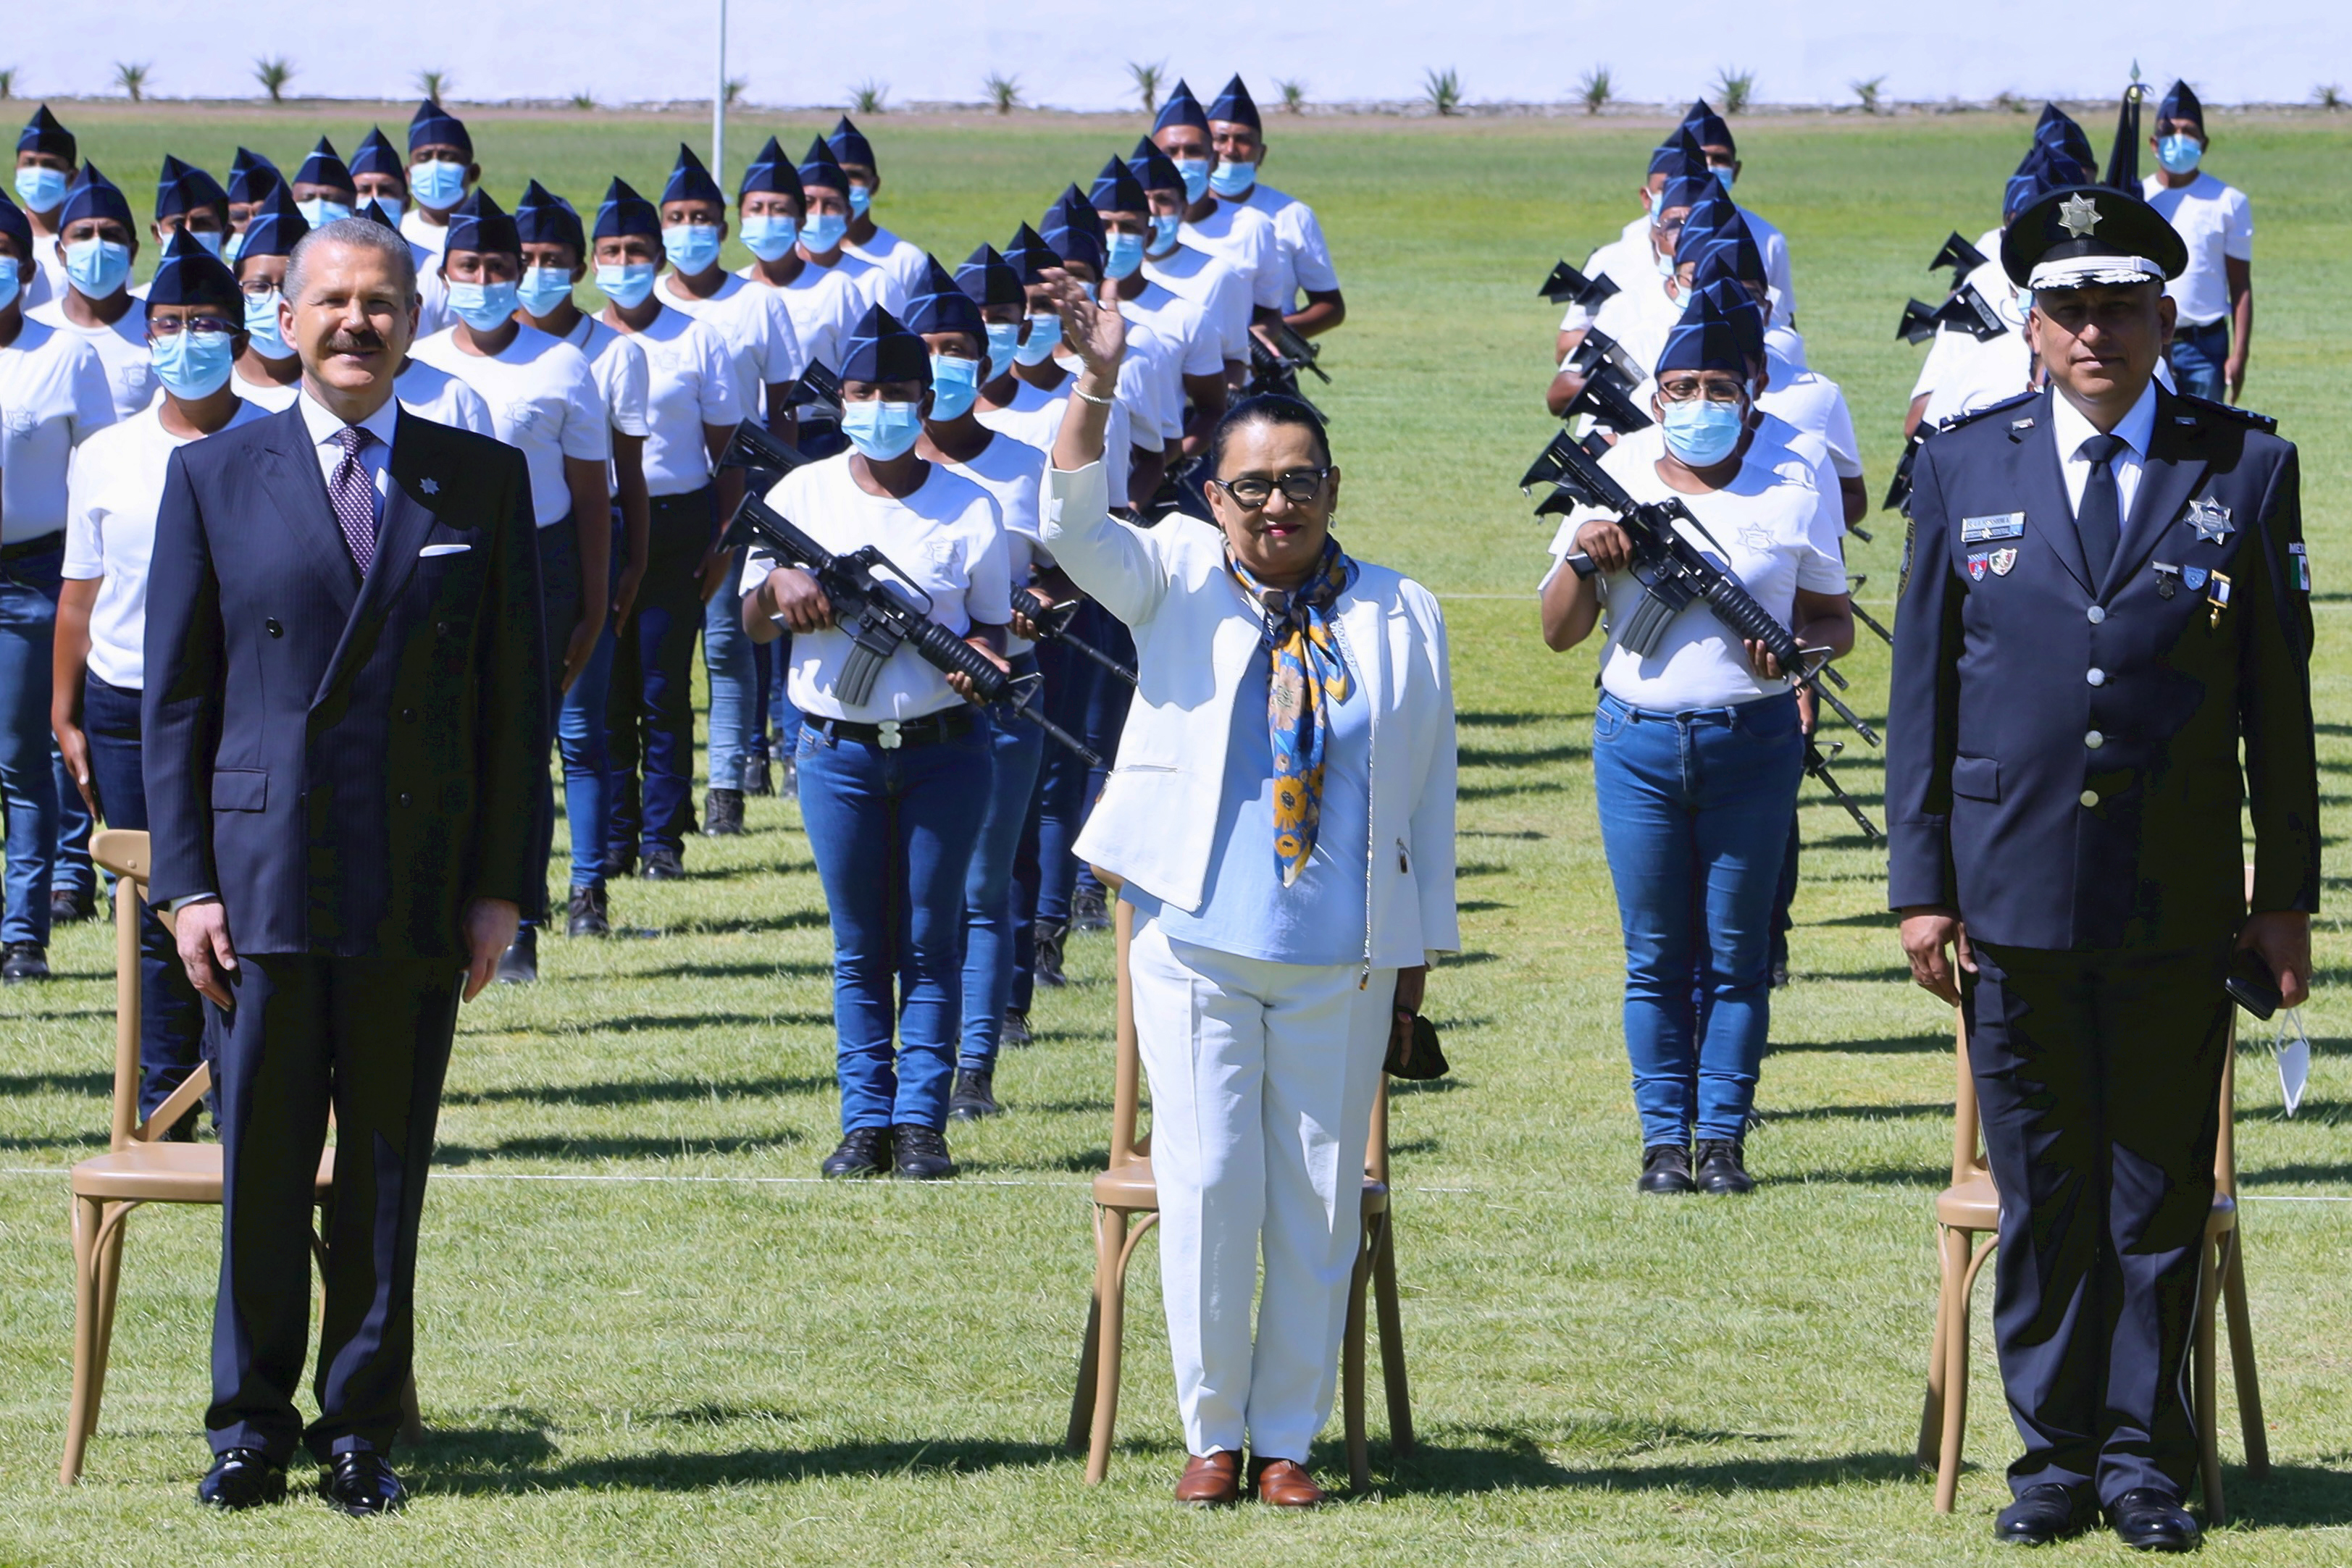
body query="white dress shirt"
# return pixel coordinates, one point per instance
(375, 456)
(2071, 429)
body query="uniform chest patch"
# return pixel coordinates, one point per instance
(2001, 526)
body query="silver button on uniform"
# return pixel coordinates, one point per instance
(2090, 797)
(2097, 677)
(2098, 613)
(2094, 740)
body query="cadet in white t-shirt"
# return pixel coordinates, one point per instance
(194, 314)
(1028, 399)
(1193, 377)
(1302, 260)
(2216, 294)
(441, 170)
(47, 162)
(1640, 316)
(1241, 236)
(1221, 294)
(100, 244)
(752, 322)
(380, 183)
(825, 232)
(1713, 134)
(901, 261)
(268, 373)
(823, 302)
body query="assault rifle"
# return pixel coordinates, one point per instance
(1965, 311)
(1566, 285)
(1673, 573)
(1818, 764)
(881, 608)
(1959, 255)
(1054, 622)
(1276, 369)
(1865, 616)
(764, 456)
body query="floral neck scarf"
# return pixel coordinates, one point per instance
(1307, 672)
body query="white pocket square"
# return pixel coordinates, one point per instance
(442, 550)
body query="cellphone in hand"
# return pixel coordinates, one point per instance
(2251, 984)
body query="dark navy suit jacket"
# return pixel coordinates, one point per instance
(1989, 756)
(347, 764)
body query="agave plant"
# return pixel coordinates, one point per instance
(583, 100)
(1443, 90)
(1294, 96)
(132, 80)
(1148, 78)
(735, 85)
(273, 74)
(868, 97)
(8, 82)
(1004, 91)
(435, 85)
(1594, 89)
(1868, 92)
(2328, 96)
(1734, 87)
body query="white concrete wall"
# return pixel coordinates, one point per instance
(1074, 53)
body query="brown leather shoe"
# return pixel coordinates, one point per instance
(1210, 1480)
(1284, 1483)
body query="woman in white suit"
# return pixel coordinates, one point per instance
(1281, 815)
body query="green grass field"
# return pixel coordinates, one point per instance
(648, 1335)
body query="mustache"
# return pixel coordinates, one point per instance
(348, 342)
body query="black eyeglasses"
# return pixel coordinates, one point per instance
(171, 326)
(1298, 487)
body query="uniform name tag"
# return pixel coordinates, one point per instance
(2002, 525)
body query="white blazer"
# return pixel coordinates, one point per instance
(1194, 635)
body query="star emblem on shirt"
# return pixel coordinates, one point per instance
(2078, 215)
(430, 486)
(2210, 519)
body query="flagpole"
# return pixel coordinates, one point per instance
(719, 104)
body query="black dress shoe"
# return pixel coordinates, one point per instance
(1665, 1167)
(757, 780)
(975, 1096)
(664, 863)
(588, 914)
(722, 813)
(68, 904)
(2043, 1514)
(2154, 1520)
(790, 790)
(519, 965)
(619, 862)
(863, 1151)
(919, 1154)
(242, 1478)
(1720, 1171)
(1046, 966)
(1089, 911)
(1016, 1028)
(21, 961)
(361, 1485)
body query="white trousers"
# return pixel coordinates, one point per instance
(1263, 1077)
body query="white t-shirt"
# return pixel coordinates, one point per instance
(1244, 239)
(1222, 293)
(755, 327)
(269, 397)
(1815, 404)
(871, 283)
(689, 383)
(1626, 261)
(53, 395)
(1640, 319)
(1014, 472)
(1151, 385)
(903, 264)
(116, 488)
(122, 349)
(1200, 349)
(622, 379)
(1302, 260)
(1035, 417)
(428, 392)
(1764, 528)
(2218, 223)
(544, 401)
(427, 242)
(824, 305)
(1962, 373)
(947, 539)
(1773, 246)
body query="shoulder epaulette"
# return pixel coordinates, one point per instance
(2229, 410)
(1956, 421)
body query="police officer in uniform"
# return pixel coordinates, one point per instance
(2107, 594)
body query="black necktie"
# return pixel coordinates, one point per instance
(2099, 521)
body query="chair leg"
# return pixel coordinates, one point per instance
(1082, 1397)
(2201, 1355)
(81, 1415)
(1959, 1276)
(1351, 1361)
(2242, 1356)
(1392, 1326)
(1931, 1411)
(1111, 1246)
(110, 1281)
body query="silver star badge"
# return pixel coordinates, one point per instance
(430, 486)
(2078, 215)
(2210, 519)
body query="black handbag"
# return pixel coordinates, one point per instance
(1414, 1052)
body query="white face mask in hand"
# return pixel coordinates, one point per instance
(2292, 1048)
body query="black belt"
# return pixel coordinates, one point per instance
(41, 546)
(895, 734)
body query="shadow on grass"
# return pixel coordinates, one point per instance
(14, 1084)
(1501, 1459)
(558, 1146)
(1499, 792)
(1854, 1112)
(1884, 1045)
(748, 924)
(92, 1141)
(2290, 1497)
(641, 1092)
(703, 970)
(1857, 1176)
(1505, 721)
(631, 1023)
(498, 1461)
(1524, 757)
(2301, 1171)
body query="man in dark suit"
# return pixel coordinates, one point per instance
(2107, 595)
(346, 743)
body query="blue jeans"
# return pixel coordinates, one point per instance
(728, 658)
(171, 1019)
(581, 738)
(29, 782)
(1066, 789)
(1016, 746)
(559, 591)
(1108, 701)
(2198, 355)
(893, 833)
(650, 706)
(1694, 811)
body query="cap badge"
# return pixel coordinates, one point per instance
(430, 486)
(2078, 215)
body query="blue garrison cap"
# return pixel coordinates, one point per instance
(2057, 130)
(541, 218)
(1073, 232)
(2043, 169)
(45, 133)
(1235, 104)
(376, 155)
(478, 223)
(1181, 109)
(434, 126)
(93, 195)
(277, 225)
(1709, 336)
(251, 176)
(1712, 211)
(1728, 252)
(18, 227)
(691, 182)
(623, 212)
(988, 279)
(1709, 125)
(191, 275)
(372, 211)
(849, 145)
(2179, 102)
(880, 348)
(1152, 169)
(939, 306)
(1738, 307)
(1688, 191)
(325, 166)
(771, 173)
(1029, 257)
(184, 187)
(818, 167)
(1117, 190)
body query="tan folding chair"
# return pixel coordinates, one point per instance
(1970, 1209)
(1127, 1205)
(138, 1167)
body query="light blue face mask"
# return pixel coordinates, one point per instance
(1664, 262)
(1163, 234)
(1196, 177)
(261, 326)
(1044, 340)
(955, 384)
(484, 306)
(1702, 432)
(231, 247)
(822, 232)
(625, 284)
(2179, 153)
(1724, 173)
(770, 235)
(880, 430)
(96, 268)
(9, 284)
(1122, 254)
(41, 190)
(207, 238)
(693, 247)
(434, 183)
(319, 212)
(1003, 342)
(1233, 181)
(543, 289)
(393, 207)
(861, 197)
(193, 364)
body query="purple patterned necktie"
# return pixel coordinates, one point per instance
(353, 495)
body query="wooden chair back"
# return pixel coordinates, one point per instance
(125, 852)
